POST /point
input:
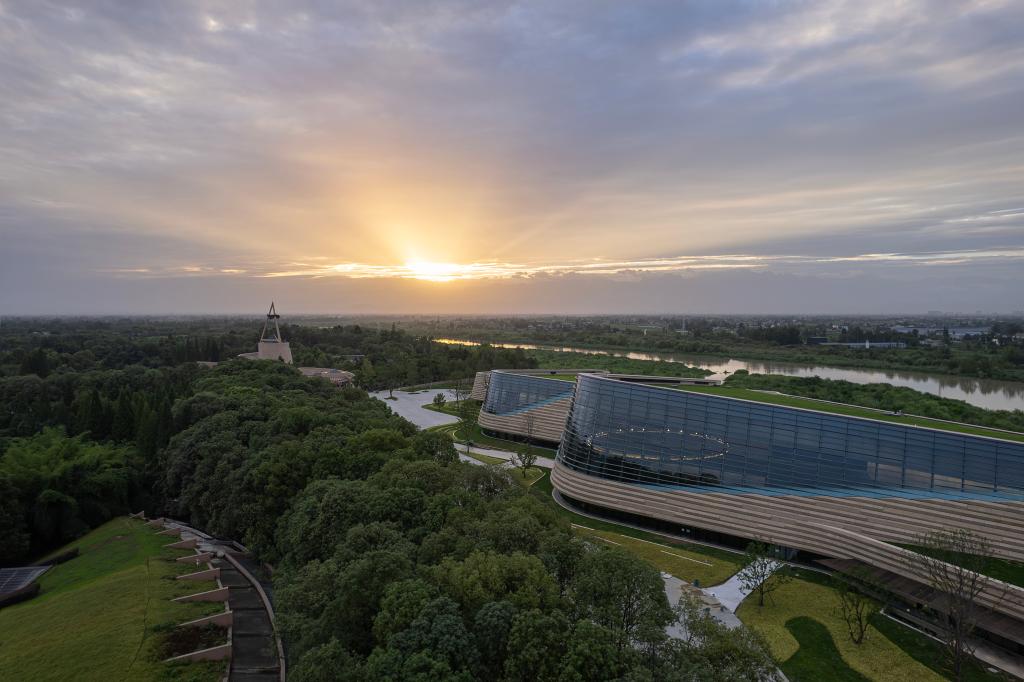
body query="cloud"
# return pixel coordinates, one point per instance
(509, 140)
(596, 267)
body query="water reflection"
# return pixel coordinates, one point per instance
(988, 393)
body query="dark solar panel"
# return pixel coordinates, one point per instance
(13, 579)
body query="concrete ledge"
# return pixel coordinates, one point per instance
(176, 532)
(156, 523)
(214, 653)
(208, 574)
(183, 544)
(138, 515)
(218, 594)
(282, 663)
(224, 620)
(196, 558)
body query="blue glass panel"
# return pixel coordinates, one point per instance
(658, 436)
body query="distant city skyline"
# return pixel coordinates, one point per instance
(512, 157)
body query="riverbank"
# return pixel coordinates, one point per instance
(989, 394)
(933, 361)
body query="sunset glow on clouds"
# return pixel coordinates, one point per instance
(450, 272)
(373, 151)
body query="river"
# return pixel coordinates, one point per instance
(990, 394)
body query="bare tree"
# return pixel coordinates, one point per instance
(855, 606)
(462, 389)
(953, 563)
(525, 457)
(761, 572)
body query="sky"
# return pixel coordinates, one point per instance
(556, 156)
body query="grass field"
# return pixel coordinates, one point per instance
(795, 624)
(450, 407)
(101, 615)
(683, 563)
(681, 559)
(849, 410)
(527, 479)
(927, 651)
(809, 596)
(817, 658)
(1008, 571)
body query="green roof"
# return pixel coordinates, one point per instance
(849, 410)
(785, 400)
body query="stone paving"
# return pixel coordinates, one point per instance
(410, 406)
(675, 588)
(731, 593)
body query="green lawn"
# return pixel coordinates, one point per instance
(685, 564)
(801, 624)
(449, 407)
(459, 432)
(927, 651)
(527, 479)
(101, 615)
(817, 658)
(472, 432)
(890, 651)
(650, 545)
(1008, 571)
(850, 410)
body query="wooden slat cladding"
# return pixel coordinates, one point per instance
(480, 383)
(548, 421)
(843, 528)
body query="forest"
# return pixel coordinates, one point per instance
(379, 355)
(392, 559)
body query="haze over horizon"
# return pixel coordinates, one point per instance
(511, 157)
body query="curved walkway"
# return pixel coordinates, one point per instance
(412, 406)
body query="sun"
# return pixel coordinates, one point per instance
(433, 272)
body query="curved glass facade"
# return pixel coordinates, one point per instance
(513, 393)
(656, 436)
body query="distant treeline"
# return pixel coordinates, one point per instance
(882, 397)
(611, 363)
(996, 355)
(380, 358)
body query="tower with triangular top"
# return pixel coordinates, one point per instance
(272, 346)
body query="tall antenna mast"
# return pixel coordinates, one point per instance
(272, 316)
